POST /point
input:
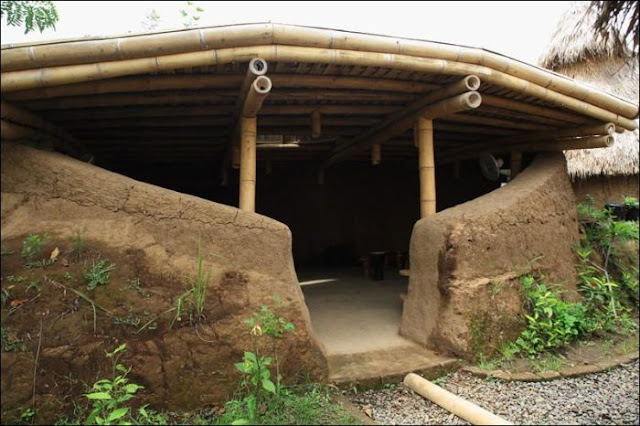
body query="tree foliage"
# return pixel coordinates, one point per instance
(31, 14)
(617, 19)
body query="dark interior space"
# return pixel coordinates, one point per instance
(359, 208)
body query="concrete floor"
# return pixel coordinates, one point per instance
(357, 320)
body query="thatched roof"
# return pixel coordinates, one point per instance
(577, 52)
(574, 40)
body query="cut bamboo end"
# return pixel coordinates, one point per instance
(376, 154)
(258, 66)
(463, 102)
(472, 82)
(316, 124)
(256, 95)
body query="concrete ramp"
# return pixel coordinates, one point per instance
(357, 321)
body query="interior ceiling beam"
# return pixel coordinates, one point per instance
(400, 121)
(199, 110)
(153, 83)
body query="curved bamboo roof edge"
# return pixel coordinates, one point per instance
(74, 61)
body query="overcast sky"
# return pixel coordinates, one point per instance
(517, 29)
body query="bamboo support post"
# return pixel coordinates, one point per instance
(451, 402)
(495, 70)
(316, 124)
(427, 167)
(248, 133)
(256, 95)
(376, 154)
(516, 163)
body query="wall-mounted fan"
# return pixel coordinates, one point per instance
(491, 167)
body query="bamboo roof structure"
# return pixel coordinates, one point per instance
(578, 52)
(173, 96)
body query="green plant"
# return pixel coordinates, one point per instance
(32, 247)
(108, 396)
(10, 342)
(98, 273)
(496, 287)
(131, 320)
(27, 415)
(195, 296)
(134, 283)
(630, 201)
(487, 364)
(440, 381)
(35, 285)
(68, 276)
(553, 322)
(5, 251)
(78, 243)
(509, 351)
(16, 279)
(547, 362)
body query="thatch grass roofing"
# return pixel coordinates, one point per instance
(578, 52)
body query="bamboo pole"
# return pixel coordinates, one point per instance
(516, 163)
(453, 403)
(376, 154)
(20, 80)
(316, 124)
(510, 141)
(427, 167)
(379, 134)
(248, 126)
(217, 81)
(177, 43)
(260, 88)
(514, 105)
(569, 144)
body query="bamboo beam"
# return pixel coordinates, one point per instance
(257, 67)
(516, 163)
(516, 140)
(569, 144)
(217, 81)
(610, 108)
(316, 124)
(514, 105)
(427, 167)
(376, 154)
(176, 44)
(403, 119)
(248, 129)
(196, 110)
(24, 118)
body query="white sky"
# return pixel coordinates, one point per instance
(517, 29)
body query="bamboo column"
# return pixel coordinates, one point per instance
(316, 124)
(516, 163)
(248, 133)
(376, 154)
(427, 167)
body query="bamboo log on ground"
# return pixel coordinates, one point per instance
(20, 80)
(175, 44)
(427, 167)
(451, 402)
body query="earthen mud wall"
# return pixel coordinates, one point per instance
(606, 188)
(45, 192)
(465, 293)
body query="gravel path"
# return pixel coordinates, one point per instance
(601, 398)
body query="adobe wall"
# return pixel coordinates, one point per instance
(45, 192)
(606, 188)
(464, 292)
